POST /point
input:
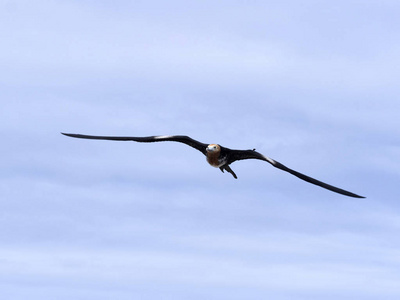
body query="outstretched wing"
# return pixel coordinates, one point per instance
(147, 139)
(251, 154)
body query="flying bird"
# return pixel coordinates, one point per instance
(217, 156)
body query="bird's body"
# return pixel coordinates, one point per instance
(214, 157)
(218, 156)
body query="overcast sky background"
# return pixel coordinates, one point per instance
(312, 84)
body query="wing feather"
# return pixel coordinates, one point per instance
(147, 139)
(251, 154)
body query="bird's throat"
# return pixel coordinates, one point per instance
(212, 159)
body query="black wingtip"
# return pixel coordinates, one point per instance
(347, 193)
(71, 134)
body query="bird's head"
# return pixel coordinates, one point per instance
(213, 148)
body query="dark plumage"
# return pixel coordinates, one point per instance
(218, 156)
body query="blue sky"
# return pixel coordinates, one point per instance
(312, 84)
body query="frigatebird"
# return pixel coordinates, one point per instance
(218, 156)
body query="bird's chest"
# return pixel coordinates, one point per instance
(216, 159)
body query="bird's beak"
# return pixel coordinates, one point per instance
(211, 148)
